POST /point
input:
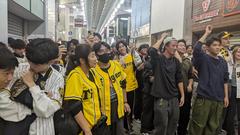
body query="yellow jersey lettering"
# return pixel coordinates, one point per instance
(118, 74)
(113, 79)
(238, 74)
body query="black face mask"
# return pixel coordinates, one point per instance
(104, 58)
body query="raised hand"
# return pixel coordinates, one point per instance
(208, 29)
(164, 35)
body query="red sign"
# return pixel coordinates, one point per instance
(206, 5)
(206, 15)
(78, 22)
(231, 7)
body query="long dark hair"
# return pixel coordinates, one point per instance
(118, 45)
(81, 51)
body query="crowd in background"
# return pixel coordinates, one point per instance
(93, 88)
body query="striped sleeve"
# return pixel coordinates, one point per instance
(43, 105)
(18, 73)
(55, 86)
(46, 105)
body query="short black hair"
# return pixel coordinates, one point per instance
(18, 44)
(142, 46)
(212, 39)
(8, 60)
(42, 50)
(74, 41)
(97, 46)
(98, 35)
(11, 41)
(183, 41)
(123, 42)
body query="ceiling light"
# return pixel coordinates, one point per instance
(112, 16)
(74, 7)
(129, 10)
(125, 19)
(62, 6)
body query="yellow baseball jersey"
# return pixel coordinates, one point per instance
(115, 76)
(79, 87)
(224, 53)
(128, 68)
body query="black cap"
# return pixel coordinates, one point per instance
(224, 34)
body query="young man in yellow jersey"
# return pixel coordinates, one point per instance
(112, 83)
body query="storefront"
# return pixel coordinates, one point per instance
(140, 21)
(223, 15)
(15, 26)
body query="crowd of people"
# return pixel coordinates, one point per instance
(92, 88)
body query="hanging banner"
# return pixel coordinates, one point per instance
(207, 11)
(78, 22)
(231, 7)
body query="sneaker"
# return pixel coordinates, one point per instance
(223, 132)
(137, 121)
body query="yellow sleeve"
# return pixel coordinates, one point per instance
(73, 87)
(118, 64)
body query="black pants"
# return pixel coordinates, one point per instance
(166, 116)
(223, 120)
(1, 126)
(232, 110)
(184, 114)
(138, 104)
(147, 113)
(116, 127)
(128, 117)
